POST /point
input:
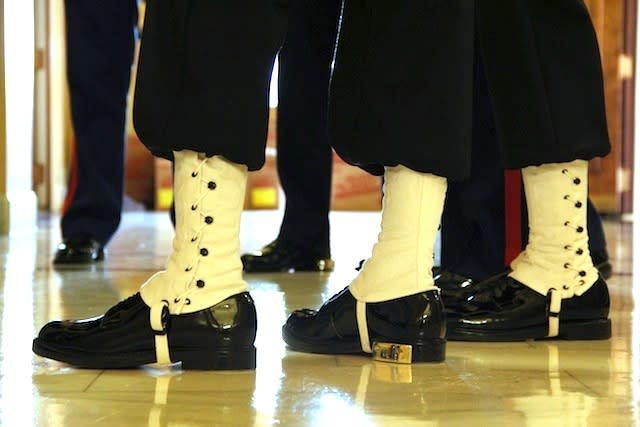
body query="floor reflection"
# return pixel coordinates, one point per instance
(522, 384)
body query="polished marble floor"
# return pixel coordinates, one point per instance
(541, 383)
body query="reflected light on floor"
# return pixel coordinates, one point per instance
(566, 383)
(350, 414)
(271, 351)
(17, 331)
(554, 398)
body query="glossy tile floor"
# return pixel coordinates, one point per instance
(542, 383)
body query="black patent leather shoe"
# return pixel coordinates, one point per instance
(80, 249)
(278, 257)
(403, 330)
(455, 288)
(218, 338)
(507, 310)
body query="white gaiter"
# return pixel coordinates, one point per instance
(402, 258)
(557, 255)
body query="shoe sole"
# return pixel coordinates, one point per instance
(599, 329)
(77, 263)
(191, 359)
(425, 351)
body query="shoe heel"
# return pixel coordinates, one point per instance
(599, 329)
(218, 360)
(430, 351)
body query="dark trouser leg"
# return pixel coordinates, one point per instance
(597, 241)
(472, 236)
(203, 84)
(304, 154)
(100, 52)
(553, 289)
(473, 225)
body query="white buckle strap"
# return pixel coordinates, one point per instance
(554, 298)
(361, 318)
(158, 319)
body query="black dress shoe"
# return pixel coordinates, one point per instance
(407, 329)
(217, 338)
(455, 288)
(507, 310)
(279, 256)
(79, 249)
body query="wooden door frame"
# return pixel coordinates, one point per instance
(629, 99)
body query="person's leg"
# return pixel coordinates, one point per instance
(473, 227)
(484, 226)
(392, 308)
(197, 311)
(553, 288)
(304, 154)
(473, 237)
(390, 113)
(597, 238)
(100, 44)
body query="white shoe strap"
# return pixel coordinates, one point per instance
(555, 305)
(361, 318)
(158, 318)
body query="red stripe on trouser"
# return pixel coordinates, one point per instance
(512, 215)
(73, 179)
